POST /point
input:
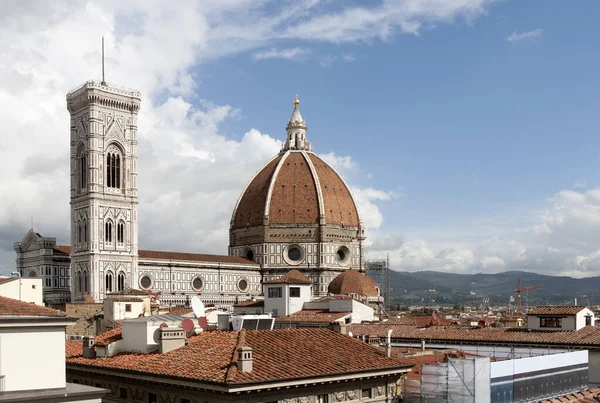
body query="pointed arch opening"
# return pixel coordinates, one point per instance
(108, 231)
(121, 281)
(108, 282)
(121, 232)
(114, 159)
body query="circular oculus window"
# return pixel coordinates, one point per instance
(197, 283)
(293, 254)
(343, 255)
(146, 282)
(243, 285)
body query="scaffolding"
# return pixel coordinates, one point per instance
(379, 269)
(464, 380)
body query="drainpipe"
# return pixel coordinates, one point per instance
(388, 343)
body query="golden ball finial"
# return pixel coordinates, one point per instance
(296, 100)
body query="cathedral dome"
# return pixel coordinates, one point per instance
(296, 187)
(353, 282)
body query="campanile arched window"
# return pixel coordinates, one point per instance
(121, 282)
(114, 160)
(82, 167)
(108, 231)
(120, 232)
(109, 282)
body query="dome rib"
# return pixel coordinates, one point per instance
(272, 184)
(317, 183)
(251, 199)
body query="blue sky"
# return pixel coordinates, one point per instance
(467, 129)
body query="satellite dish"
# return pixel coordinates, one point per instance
(198, 307)
(202, 322)
(187, 325)
(163, 325)
(350, 334)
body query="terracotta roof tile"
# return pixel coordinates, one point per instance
(62, 250)
(7, 279)
(313, 316)
(587, 336)
(280, 354)
(353, 282)
(191, 257)
(106, 338)
(590, 395)
(292, 277)
(179, 311)
(118, 298)
(250, 304)
(13, 307)
(130, 291)
(556, 310)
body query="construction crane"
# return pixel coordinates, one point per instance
(519, 290)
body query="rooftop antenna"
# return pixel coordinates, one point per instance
(103, 82)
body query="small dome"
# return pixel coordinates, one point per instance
(353, 282)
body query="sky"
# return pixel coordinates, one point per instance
(466, 129)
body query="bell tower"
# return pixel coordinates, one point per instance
(104, 199)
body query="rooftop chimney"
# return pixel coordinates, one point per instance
(244, 359)
(171, 338)
(89, 349)
(339, 327)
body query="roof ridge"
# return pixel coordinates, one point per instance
(234, 359)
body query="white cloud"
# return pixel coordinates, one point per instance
(48, 48)
(295, 54)
(529, 35)
(565, 240)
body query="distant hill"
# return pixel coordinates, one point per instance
(434, 287)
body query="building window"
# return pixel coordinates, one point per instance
(82, 170)
(85, 232)
(323, 399)
(123, 393)
(551, 322)
(145, 282)
(152, 397)
(294, 292)
(197, 283)
(121, 282)
(85, 282)
(120, 232)
(108, 231)
(108, 282)
(127, 307)
(113, 170)
(275, 292)
(294, 254)
(243, 285)
(366, 393)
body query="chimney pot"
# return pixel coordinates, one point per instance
(89, 348)
(244, 359)
(171, 338)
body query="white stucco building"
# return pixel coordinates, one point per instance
(32, 356)
(560, 318)
(27, 289)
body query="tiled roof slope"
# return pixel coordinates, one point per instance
(586, 396)
(250, 304)
(13, 307)
(293, 178)
(106, 338)
(353, 282)
(7, 279)
(556, 310)
(313, 316)
(291, 277)
(587, 336)
(281, 354)
(191, 257)
(129, 291)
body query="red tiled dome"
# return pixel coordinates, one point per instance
(353, 282)
(296, 187)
